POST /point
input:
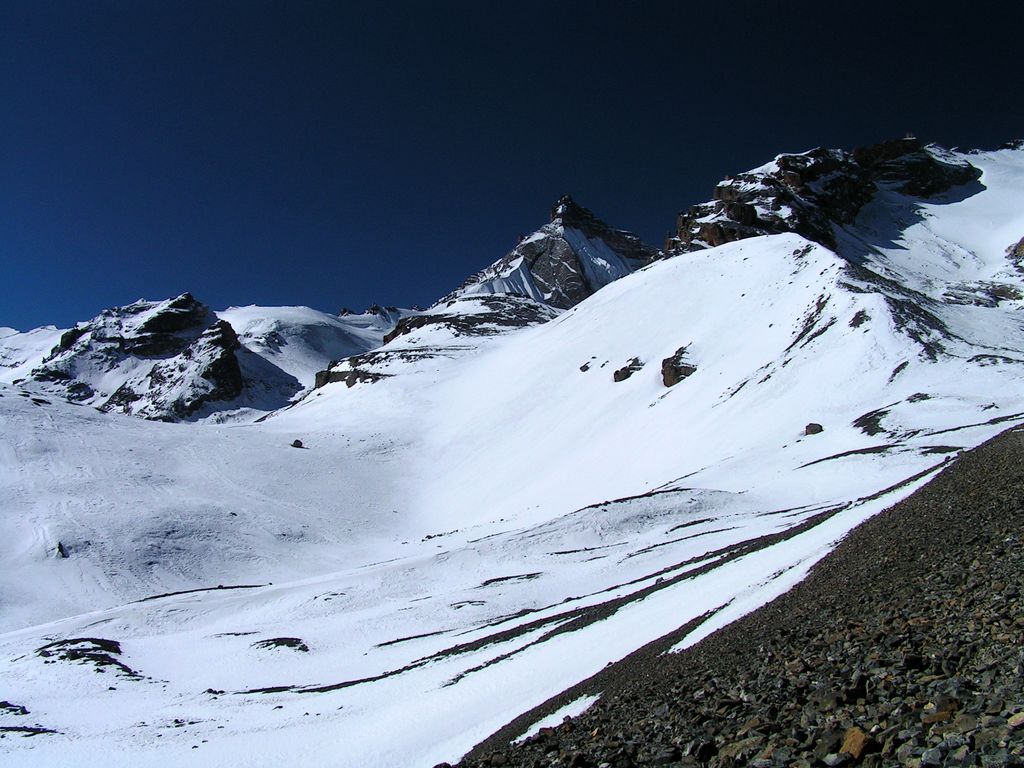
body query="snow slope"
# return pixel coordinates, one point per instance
(301, 341)
(21, 352)
(497, 518)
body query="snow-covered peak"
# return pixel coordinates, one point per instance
(563, 262)
(157, 359)
(567, 212)
(177, 359)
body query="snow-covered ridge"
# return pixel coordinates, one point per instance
(812, 193)
(141, 359)
(427, 340)
(20, 352)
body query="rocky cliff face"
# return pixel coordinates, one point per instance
(813, 192)
(564, 261)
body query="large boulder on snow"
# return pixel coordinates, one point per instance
(677, 367)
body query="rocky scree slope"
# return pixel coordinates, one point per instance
(902, 647)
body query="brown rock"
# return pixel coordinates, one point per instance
(628, 369)
(676, 368)
(854, 742)
(813, 428)
(740, 749)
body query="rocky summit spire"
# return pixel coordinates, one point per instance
(564, 261)
(570, 213)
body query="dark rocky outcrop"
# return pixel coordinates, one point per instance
(628, 369)
(813, 428)
(99, 652)
(813, 192)
(1015, 253)
(465, 316)
(210, 357)
(323, 378)
(291, 643)
(350, 376)
(178, 314)
(500, 313)
(908, 167)
(8, 708)
(67, 339)
(677, 367)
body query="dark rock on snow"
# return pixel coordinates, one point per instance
(100, 652)
(292, 643)
(677, 367)
(627, 370)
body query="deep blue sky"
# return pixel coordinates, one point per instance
(342, 153)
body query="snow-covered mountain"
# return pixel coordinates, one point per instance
(507, 494)
(177, 359)
(554, 268)
(563, 262)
